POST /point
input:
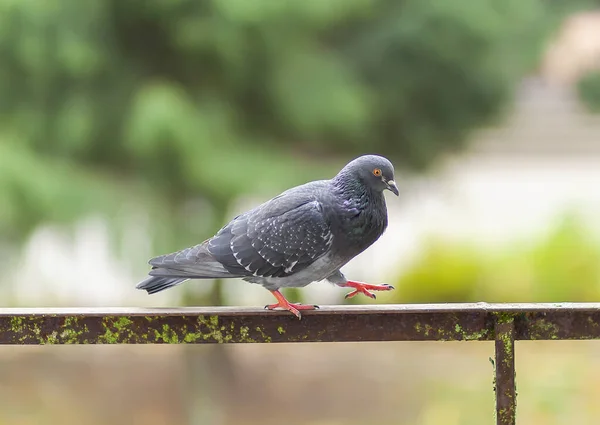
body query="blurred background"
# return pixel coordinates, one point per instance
(134, 128)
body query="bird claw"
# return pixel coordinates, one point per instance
(305, 306)
(293, 308)
(296, 305)
(356, 292)
(363, 288)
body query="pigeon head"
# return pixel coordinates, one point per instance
(374, 171)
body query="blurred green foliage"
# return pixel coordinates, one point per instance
(588, 88)
(563, 266)
(159, 102)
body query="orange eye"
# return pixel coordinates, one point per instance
(377, 172)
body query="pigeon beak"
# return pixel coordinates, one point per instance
(391, 185)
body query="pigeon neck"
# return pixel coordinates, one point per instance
(351, 186)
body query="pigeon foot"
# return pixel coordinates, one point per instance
(364, 288)
(293, 308)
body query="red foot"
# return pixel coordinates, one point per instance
(291, 307)
(362, 288)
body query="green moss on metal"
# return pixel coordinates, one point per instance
(318, 337)
(506, 356)
(109, 337)
(71, 336)
(217, 333)
(116, 330)
(504, 317)
(444, 333)
(16, 324)
(211, 329)
(424, 329)
(122, 323)
(24, 328)
(166, 335)
(507, 345)
(206, 328)
(471, 336)
(245, 334)
(264, 336)
(505, 337)
(54, 329)
(51, 339)
(542, 329)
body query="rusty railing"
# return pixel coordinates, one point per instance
(502, 323)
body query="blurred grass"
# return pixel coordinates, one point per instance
(562, 266)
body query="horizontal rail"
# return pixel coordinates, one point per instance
(412, 322)
(502, 323)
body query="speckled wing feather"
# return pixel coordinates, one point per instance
(269, 242)
(183, 257)
(195, 261)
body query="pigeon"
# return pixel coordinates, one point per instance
(303, 235)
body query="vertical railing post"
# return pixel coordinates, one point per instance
(506, 399)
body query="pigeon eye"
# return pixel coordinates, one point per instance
(377, 172)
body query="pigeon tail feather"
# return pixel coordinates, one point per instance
(156, 284)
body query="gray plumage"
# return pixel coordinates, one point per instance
(305, 234)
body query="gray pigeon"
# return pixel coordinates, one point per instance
(301, 236)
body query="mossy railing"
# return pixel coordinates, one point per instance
(502, 323)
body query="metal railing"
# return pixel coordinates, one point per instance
(502, 323)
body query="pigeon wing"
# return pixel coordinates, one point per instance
(273, 243)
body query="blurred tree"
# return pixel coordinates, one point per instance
(588, 88)
(168, 100)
